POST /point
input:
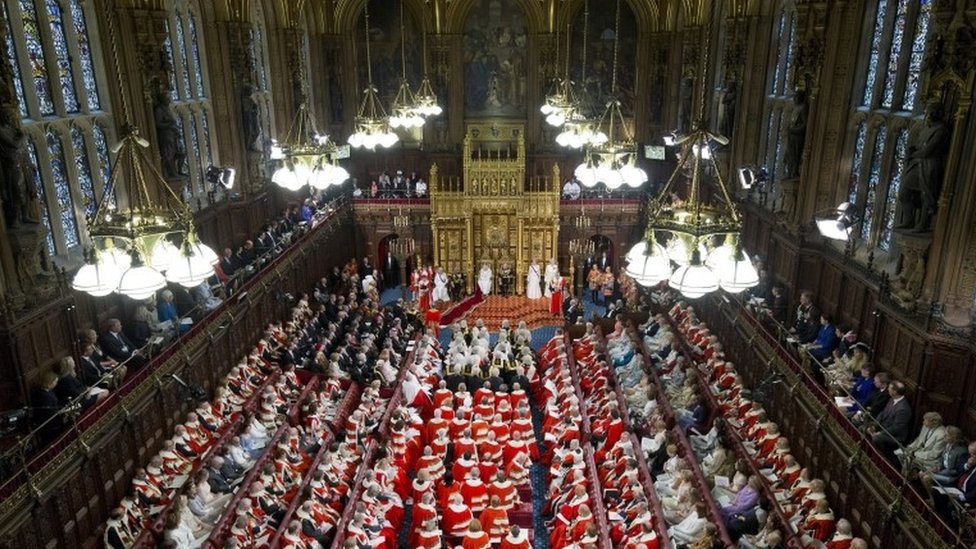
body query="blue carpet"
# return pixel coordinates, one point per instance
(537, 475)
(590, 309)
(390, 295)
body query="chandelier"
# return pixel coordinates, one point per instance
(131, 248)
(700, 249)
(307, 158)
(425, 100)
(404, 112)
(572, 109)
(372, 124)
(611, 155)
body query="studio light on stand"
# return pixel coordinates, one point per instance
(838, 223)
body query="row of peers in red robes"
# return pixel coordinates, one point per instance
(622, 490)
(321, 503)
(461, 490)
(154, 487)
(573, 523)
(802, 498)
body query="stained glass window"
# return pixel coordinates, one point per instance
(15, 67)
(174, 93)
(104, 163)
(85, 54)
(855, 185)
(891, 201)
(41, 195)
(894, 53)
(916, 56)
(69, 161)
(778, 68)
(62, 56)
(35, 54)
(873, 58)
(84, 171)
(874, 179)
(205, 120)
(183, 61)
(894, 58)
(197, 66)
(197, 156)
(179, 124)
(62, 190)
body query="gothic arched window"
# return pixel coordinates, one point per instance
(779, 92)
(64, 113)
(191, 105)
(259, 61)
(886, 105)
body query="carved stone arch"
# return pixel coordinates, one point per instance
(648, 14)
(349, 12)
(457, 15)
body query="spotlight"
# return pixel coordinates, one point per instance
(222, 176)
(838, 222)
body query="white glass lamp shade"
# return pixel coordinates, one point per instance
(141, 282)
(556, 118)
(720, 256)
(288, 178)
(206, 252)
(162, 255)
(388, 139)
(339, 175)
(96, 279)
(678, 251)
(189, 270)
(694, 279)
(609, 175)
(636, 251)
(586, 173)
(736, 276)
(356, 140)
(321, 177)
(633, 176)
(648, 269)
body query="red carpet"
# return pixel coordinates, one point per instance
(494, 309)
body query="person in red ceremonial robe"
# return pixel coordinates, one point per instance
(441, 394)
(566, 517)
(590, 536)
(475, 491)
(446, 490)
(500, 428)
(429, 537)
(421, 486)
(475, 537)
(423, 292)
(463, 466)
(556, 301)
(435, 424)
(439, 445)
(646, 538)
(568, 531)
(494, 520)
(820, 523)
(516, 539)
(505, 491)
(518, 470)
(424, 513)
(431, 464)
(457, 516)
(843, 538)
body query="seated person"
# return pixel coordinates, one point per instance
(47, 407)
(118, 346)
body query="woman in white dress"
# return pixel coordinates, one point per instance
(440, 287)
(551, 274)
(532, 279)
(485, 279)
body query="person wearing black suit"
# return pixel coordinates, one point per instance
(266, 241)
(218, 482)
(966, 486)
(894, 422)
(69, 387)
(118, 346)
(228, 263)
(573, 312)
(45, 408)
(878, 401)
(91, 373)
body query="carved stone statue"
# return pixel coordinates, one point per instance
(922, 182)
(12, 182)
(171, 153)
(730, 98)
(796, 135)
(250, 119)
